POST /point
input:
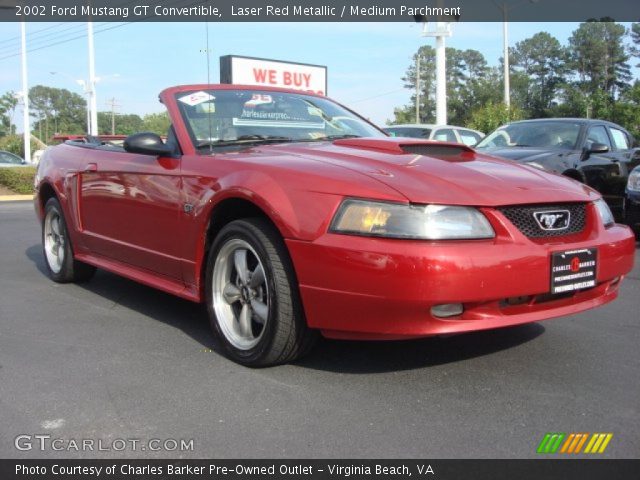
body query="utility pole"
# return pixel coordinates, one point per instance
(113, 104)
(418, 87)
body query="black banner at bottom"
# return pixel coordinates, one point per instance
(543, 469)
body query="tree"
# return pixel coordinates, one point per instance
(635, 38)
(487, 118)
(542, 64)
(597, 56)
(8, 103)
(468, 80)
(125, 124)
(57, 110)
(156, 122)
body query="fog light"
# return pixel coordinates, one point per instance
(447, 310)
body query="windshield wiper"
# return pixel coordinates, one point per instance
(243, 140)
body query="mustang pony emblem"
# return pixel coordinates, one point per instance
(552, 220)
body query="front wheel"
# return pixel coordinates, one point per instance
(252, 296)
(56, 246)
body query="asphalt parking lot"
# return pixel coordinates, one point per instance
(112, 359)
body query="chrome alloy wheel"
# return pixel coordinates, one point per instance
(54, 240)
(240, 294)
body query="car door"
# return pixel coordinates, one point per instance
(603, 170)
(130, 209)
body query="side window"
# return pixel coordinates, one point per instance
(620, 139)
(468, 137)
(445, 135)
(598, 134)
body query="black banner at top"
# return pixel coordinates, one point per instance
(317, 10)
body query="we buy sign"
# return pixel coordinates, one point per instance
(274, 73)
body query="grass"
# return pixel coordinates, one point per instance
(18, 179)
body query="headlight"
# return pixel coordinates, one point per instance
(426, 222)
(633, 184)
(605, 212)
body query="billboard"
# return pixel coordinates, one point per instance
(273, 73)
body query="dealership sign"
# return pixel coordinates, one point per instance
(273, 73)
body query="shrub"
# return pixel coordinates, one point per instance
(18, 179)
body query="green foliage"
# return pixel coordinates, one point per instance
(126, 124)
(492, 115)
(156, 122)
(18, 179)
(15, 144)
(539, 68)
(8, 103)
(57, 110)
(589, 77)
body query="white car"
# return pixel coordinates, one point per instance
(440, 133)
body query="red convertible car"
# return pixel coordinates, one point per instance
(290, 215)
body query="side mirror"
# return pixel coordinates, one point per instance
(147, 143)
(598, 148)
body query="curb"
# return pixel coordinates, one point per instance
(15, 198)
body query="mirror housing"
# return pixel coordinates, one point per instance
(598, 148)
(595, 148)
(147, 143)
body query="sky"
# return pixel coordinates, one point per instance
(365, 61)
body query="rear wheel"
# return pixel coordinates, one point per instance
(252, 296)
(56, 246)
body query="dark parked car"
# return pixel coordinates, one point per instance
(595, 152)
(632, 200)
(8, 159)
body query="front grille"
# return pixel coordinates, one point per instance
(522, 217)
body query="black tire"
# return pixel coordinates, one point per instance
(275, 336)
(62, 268)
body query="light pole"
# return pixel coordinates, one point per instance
(505, 45)
(93, 104)
(26, 125)
(442, 30)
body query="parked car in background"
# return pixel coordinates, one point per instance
(440, 133)
(595, 152)
(632, 200)
(289, 216)
(8, 159)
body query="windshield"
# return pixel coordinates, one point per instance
(563, 135)
(412, 132)
(218, 118)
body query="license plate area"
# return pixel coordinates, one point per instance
(573, 270)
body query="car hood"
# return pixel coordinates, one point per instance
(441, 173)
(521, 154)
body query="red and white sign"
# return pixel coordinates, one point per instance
(273, 73)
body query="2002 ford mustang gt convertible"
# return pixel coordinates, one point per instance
(290, 215)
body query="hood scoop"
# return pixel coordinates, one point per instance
(408, 146)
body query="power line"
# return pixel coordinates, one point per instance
(48, 38)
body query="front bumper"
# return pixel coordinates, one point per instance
(368, 288)
(632, 210)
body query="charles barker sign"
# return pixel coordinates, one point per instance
(273, 73)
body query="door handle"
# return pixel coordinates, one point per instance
(91, 167)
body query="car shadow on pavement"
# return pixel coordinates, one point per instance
(376, 357)
(189, 317)
(329, 355)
